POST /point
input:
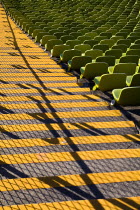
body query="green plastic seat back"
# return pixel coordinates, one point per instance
(46, 38)
(95, 69)
(82, 47)
(116, 38)
(102, 47)
(122, 47)
(112, 31)
(51, 43)
(124, 34)
(47, 28)
(137, 41)
(129, 59)
(91, 34)
(127, 68)
(135, 34)
(99, 38)
(110, 60)
(72, 43)
(109, 42)
(69, 54)
(127, 42)
(135, 46)
(59, 49)
(130, 96)
(36, 31)
(133, 38)
(108, 34)
(112, 81)
(59, 34)
(52, 31)
(42, 26)
(83, 31)
(91, 42)
(75, 34)
(94, 53)
(83, 38)
(114, 52)
(79, 61)
(133, 52)
(40, 35)
(135, 80)
(66, 37)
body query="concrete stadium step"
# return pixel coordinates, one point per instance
(69, 141)
(114, 203)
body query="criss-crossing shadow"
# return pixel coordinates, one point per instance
(79, 194)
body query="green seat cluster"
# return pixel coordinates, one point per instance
(98, 38)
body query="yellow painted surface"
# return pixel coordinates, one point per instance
(53, 105)
(33, 78)
(53, 97)
(68, 140)
(74, 114)
(131, 203)
(68, 156)
(66, 126)
(49, 90)
(68, 180)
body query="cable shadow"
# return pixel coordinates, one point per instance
(10, 172)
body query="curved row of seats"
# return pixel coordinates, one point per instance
(85, 34)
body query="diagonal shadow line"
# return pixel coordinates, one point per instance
(8, 171)
(4, 110)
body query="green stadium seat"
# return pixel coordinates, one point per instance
(133, 52)
(69, 54)
(137, 41)
(102, 47)
(108, 34)
(110, 60)
(46, 38)
(82, 47)
(91, 34)
(127, 68)
(122, 47)
(133, 80)
(94, 53)
(83, 38)
(109, 42)
(51, 43)
(109, 82)
(128, 96)
(129, 59)
(135, 46)
(36, 31)
(66, 37)
(90, 42)
(72, 43)
(78, 61)
(99, 38)
(59, 34)
(92, 70)
(116, 38)
(127, 42)
(114, 52)
(75, 34)
(40, 35)
(59, 49)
